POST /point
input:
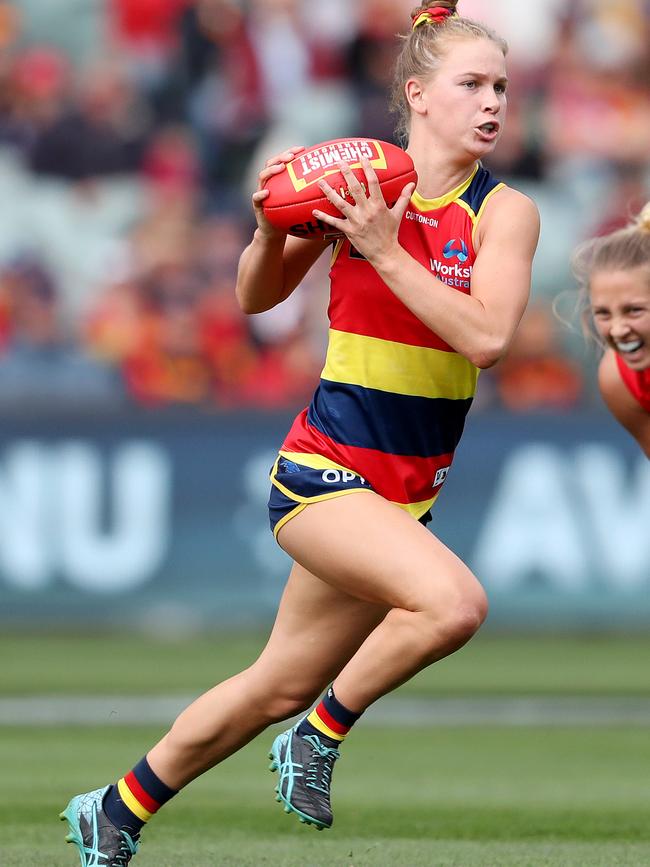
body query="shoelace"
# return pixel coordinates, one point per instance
(128, 847)
(318, 774)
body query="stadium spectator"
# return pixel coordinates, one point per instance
(183, 95)
(537, 374)
(597, 81)
(227, 107)
(40, 365)
(103, 133)
(35, 87)
(629, 189)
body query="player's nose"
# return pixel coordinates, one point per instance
(491, 102)
(619, 327)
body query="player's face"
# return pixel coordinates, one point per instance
(466, 97)
(620, 306)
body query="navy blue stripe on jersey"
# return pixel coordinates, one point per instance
(482, 184)
(396, 424)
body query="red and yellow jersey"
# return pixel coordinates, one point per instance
(637, 382)
(393, 396)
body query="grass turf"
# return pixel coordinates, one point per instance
(489, 665)
(473, 797)
(433, 797)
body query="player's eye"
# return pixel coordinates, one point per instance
(500, 88)
(470, 85)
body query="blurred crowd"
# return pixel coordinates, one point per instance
(131, 138)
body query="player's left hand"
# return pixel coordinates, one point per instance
(370, 225)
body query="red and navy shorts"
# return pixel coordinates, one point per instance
(295, 485)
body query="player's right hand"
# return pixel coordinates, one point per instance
(273, 166)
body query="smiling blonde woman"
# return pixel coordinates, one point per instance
(614, 271)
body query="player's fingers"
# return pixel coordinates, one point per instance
(259, 196)
(371, 178)
(337, 200)
(354, 185)
(290, 153)
(400, 206)
(336, 222)
(284, 157)
(268, 172)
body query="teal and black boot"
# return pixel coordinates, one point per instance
(305, 764)
(98, 841)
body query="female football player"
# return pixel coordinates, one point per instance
(423, 295)
(615, 274)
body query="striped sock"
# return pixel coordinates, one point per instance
(330, 719)
(133, 800)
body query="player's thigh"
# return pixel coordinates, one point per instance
(317, 629)
(371, 549)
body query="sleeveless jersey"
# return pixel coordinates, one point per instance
(393, 396)
(637, 381)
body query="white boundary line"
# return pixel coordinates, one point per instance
(392, 710)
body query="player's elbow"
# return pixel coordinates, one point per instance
(488, 353)
(249, 303)
(248, 307)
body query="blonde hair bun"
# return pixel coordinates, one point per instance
(642, 222)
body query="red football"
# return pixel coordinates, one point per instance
(294, 193)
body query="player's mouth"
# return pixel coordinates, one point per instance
(488, 131)
(630, 349)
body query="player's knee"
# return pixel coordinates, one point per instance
(463, 617)
(448, 620)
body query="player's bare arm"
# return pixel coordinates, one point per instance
(625, 409)
(272, 265)
(480, 326)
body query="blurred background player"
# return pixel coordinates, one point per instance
(372, 597)
(614, 270)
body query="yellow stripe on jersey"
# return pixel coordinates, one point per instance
(424, 205)
(398, 368)
(132, 802)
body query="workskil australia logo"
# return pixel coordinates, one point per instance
(457, 249)
(454, 274)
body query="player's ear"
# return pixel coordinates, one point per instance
(415, 95)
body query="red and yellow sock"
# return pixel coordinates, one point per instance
(330, 718)
(134, 799)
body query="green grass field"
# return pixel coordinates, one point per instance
(403, 797)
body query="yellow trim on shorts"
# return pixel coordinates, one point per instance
(316, 462)
(416, 510)
(302, 502)
(319, 462)
(297, 498)
(288, 517)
